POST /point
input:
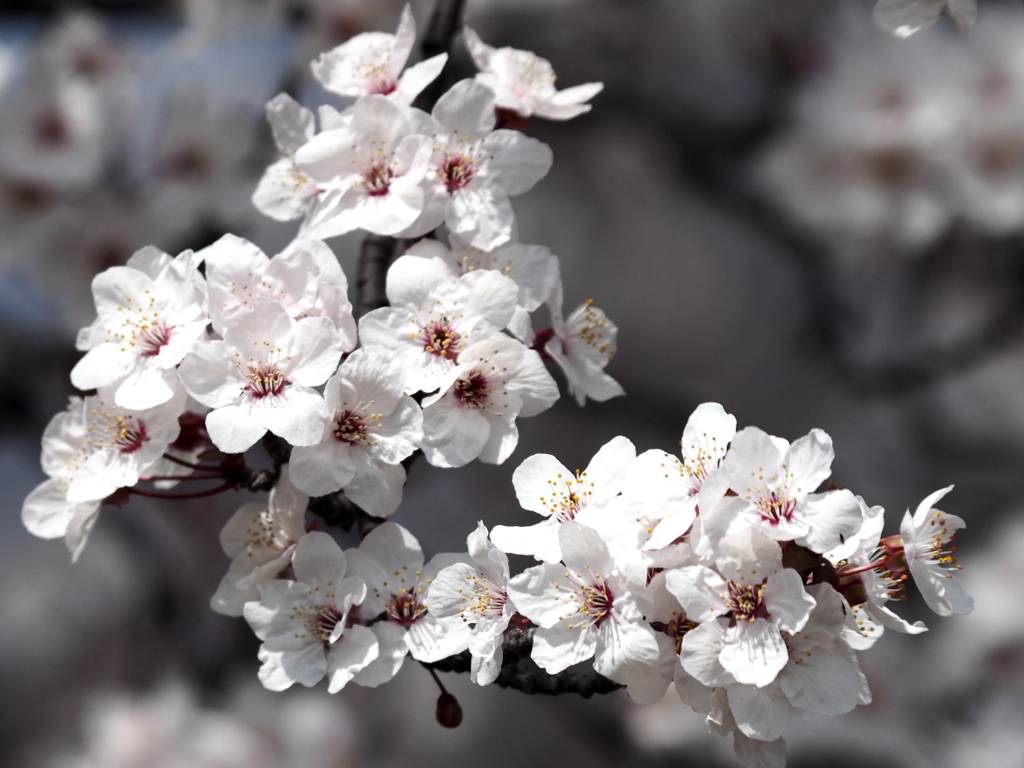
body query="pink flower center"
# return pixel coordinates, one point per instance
(456, 171)
(405, 609)
(596, 603)
(351, 428)
(153, 338)
(377, 180)
(774, 508)
(264, 380)
(473, 391)
(383, 86)
(746, 602)
(323, 624)
(129, 434)
(440, 339)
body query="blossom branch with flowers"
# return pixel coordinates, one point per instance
(735, 571)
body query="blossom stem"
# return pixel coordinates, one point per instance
(196, 495)
(190, 465)
(206, 476)
(860, 568)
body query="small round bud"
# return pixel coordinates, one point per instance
(449, 712)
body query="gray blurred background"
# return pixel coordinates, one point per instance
(783, 209)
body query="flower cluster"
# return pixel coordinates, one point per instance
(240, 345)
(725, 571)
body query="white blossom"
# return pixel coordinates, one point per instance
(474, 412)
(261, 377)
(433, 316)
(370, 171)
(592, 606)
(371, 428)
(260, 538)
(372, 63)
(930, 559)
(583, 344)
(304, 623)
(524, 83)
(391, 562)
(149, 315)
(284, 191)
(474, 169)
(477, 594)
(543, 485)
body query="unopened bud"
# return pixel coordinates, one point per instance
(449, 712)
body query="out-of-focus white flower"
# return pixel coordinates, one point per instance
(477, 594)
(371, 428)
(261, 377)
(905, 17)
(474, 412)
(47, 513)
(284, 191)
(524, 83)
(304, 623)
(149, 314)
(543, 485)
(260, 539)
(372, 63)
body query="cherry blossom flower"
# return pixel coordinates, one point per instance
(524, 83)
(371, 428)
(775, 483)
(905, 17)
(47, 513)
(477, 594)
(592, 606)
(474, 412)
(284, 191)
(260, 538)
(665, 492)
(433, 317)
(582, 344)
(533, 268)
(391, 562)
(372, 62)
(304, 623)
(818, 677)
(370, 171)
(261, 377)
(305, 279)
(149, 315)
(475, 169)
(762, 599)
(867, 584)
(543, 485)
(123, 443)
(925, 540)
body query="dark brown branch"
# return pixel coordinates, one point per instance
(520, 672)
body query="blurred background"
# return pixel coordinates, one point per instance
(783, 209)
